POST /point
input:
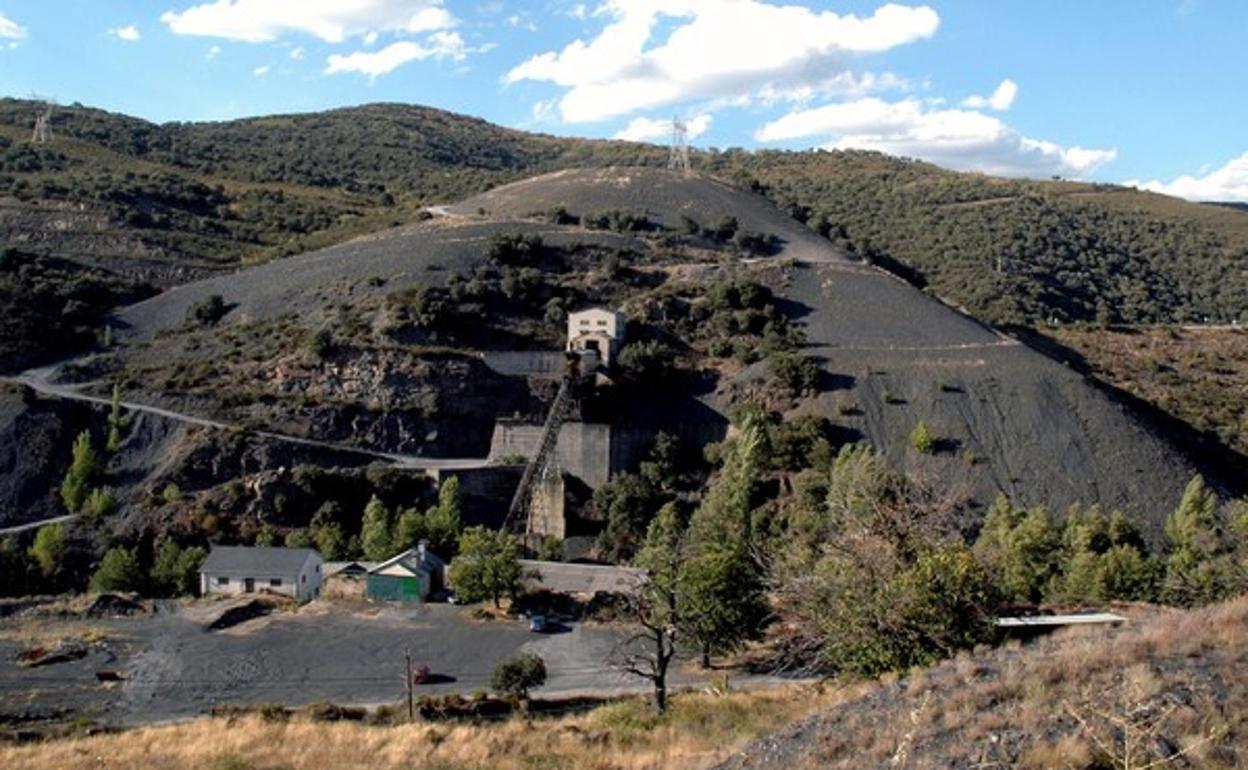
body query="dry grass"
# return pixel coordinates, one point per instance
(701, 729)
(1177, 681)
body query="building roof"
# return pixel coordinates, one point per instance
(412, 560)
(349, 567)
(1047, 621)
(246, 560)
(564, 577)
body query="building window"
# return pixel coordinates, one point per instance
(276, 582)
(602, 323)
(223, 581)
(303, 578)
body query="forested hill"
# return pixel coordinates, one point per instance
(1018, 251)
(170, 202)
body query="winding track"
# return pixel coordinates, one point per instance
(40, 380)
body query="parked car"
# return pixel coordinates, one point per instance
(537, 624)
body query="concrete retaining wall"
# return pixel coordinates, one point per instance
(533, 363)
(585, 450)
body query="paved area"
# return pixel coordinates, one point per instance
(173, 668)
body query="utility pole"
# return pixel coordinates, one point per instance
(411, 702)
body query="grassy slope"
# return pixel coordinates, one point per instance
(1199, 375)
(1050, 705)
(1009, 707)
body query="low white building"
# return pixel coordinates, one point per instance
(236, 569)
(596, 331)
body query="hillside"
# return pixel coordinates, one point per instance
(383, 343)
(1017, 251)
(140, 206)
(1016, 706)
(1176, 681)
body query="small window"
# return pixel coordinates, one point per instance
(318, 569)
(602, 323)
(223, 581)
(275, 582)
(303, 578)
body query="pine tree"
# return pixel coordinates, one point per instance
(724, 515)
(117, 422)
(1201, 565)
(82, 470)
(48, 550)
(444, 522)
(331, 541)
(375, 531)
(119, 570)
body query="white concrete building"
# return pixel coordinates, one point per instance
(295, 572)
(597, 331)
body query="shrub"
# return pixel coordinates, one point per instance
(519, 674)
(118, 571)
(513, 249)
(99, 504)
(487, 567)
(648, 361)
(921, 439)
(171, 493)
(794, 372)
(208, 311)
(321, 344)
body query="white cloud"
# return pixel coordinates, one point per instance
(297, 53)
(522, 21)
(441, 45)
(650, 129)
(1000, 100)
(1229, 183)
(128, 33)
(213, 53)
(720, 50)
(11, 30)
(261, 71)
(262, 21)
(961, 139)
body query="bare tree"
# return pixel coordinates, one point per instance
(655, 607)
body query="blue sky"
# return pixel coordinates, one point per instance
(1141, 91)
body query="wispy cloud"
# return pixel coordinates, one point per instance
(961, 139)
(440, 45)
(129, 33)
(262, 21)
(999, 100)
(11, 30)
(1228, 183)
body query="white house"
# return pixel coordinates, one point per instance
(598, 331)
(234, 569)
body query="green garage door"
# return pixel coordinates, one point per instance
(394, 589)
